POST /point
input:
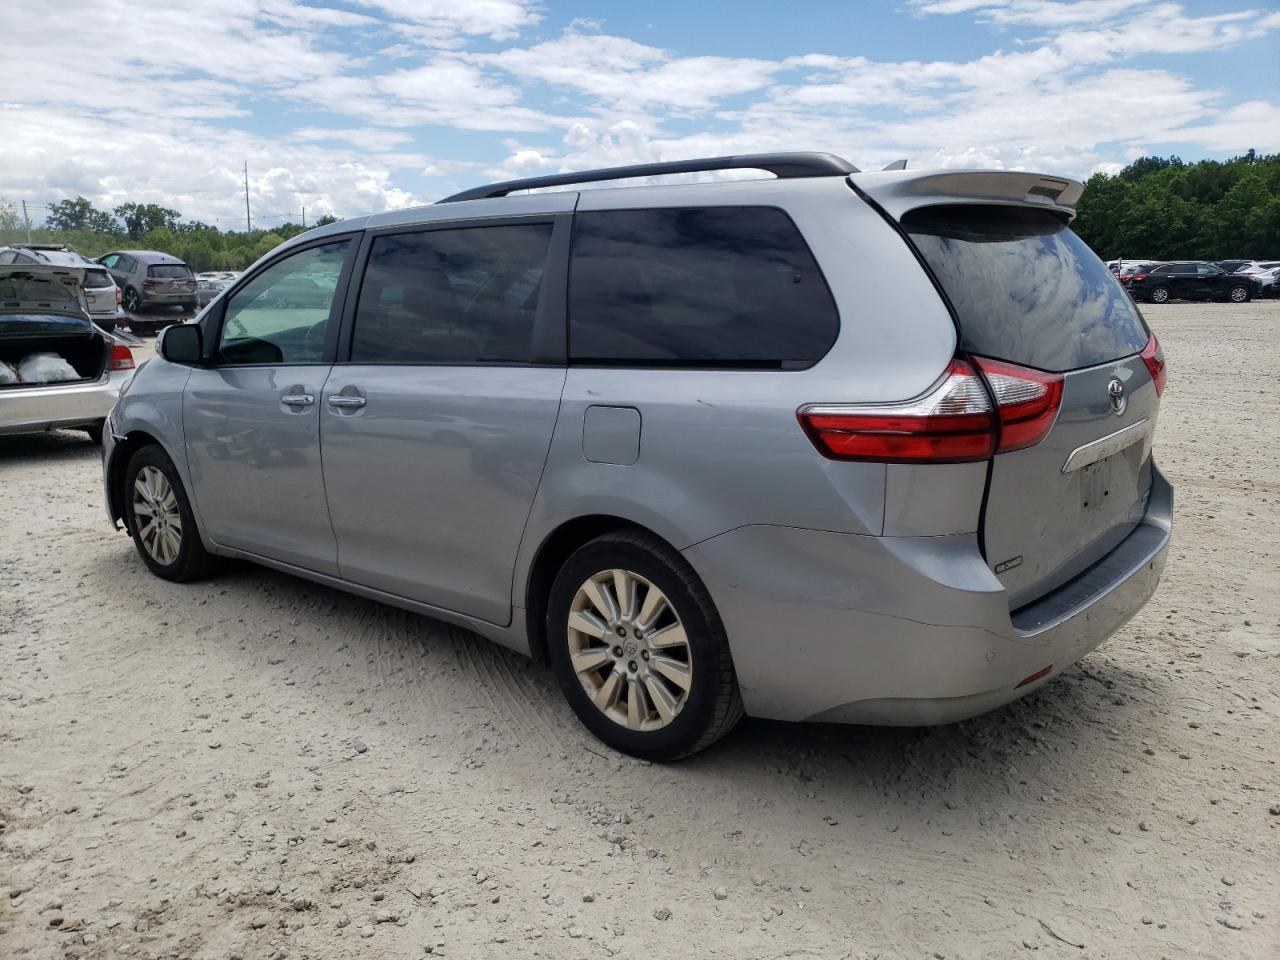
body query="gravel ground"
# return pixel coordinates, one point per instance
(261, 768)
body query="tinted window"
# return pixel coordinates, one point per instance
(1167, 268)
(451, 296)
(98, 278)
(169, 271)
(1025, 288)
(732, 286)
(1205, 269)
(283, 314)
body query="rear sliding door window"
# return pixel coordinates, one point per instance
(1025, 288)
(451, 296)
(714, 286)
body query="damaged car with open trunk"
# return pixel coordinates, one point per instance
(57, 368)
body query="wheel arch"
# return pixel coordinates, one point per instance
(556, 547)
(121, 454)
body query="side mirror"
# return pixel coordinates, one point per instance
(181, 343)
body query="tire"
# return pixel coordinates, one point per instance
(94, 430)
(187, 559)
(132, 302)
(1159, 295)
(706, 706)
(1239, 293)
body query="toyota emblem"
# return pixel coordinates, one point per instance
(1115, 393)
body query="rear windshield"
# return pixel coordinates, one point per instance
(169, 271)
(1025, 288)
(97, 278)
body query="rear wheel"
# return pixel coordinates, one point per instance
(158, 516)
(1159, 294)
(639, 650)
(132, 302)
(1239, 293)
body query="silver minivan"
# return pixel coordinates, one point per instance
(838, 446)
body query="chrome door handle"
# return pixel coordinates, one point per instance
(338, 400)
(298, 399)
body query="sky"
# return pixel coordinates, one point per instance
(347, 107)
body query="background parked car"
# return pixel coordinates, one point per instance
(210, 284)
(1270, 282)
(1119, 267)
(1133, 267)
(1231, 266)
(57, 367)
(148, 278)
(1191, 280)
(102, 296)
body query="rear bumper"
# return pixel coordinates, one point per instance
(908, 630)
(37, 409)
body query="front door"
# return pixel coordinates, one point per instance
(435, 432)
(251, 418)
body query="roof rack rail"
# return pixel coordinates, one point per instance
(784, 166)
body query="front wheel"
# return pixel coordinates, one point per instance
(1239, 293)
(158, 516)
(639, 650)
(1160, 295)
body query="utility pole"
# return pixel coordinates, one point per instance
(248, 222)
(27, 218)
(304, 216)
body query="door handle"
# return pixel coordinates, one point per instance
(339, 400)
(298, 399)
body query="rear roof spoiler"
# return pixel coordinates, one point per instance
(899, 192)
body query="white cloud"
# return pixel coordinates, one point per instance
(372, 104)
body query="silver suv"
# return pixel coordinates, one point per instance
(868, 448)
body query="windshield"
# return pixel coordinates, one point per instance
(169, 271)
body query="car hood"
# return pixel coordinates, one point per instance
(40, 288)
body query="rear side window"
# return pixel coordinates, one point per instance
(714, 286)
(169, 271)
(451, 296)
(1025, 288)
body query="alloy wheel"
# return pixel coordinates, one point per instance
(629, 650)
(1159, 295)
(1239, 294)
(156, 513)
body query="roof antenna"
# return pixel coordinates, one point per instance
(897, 165)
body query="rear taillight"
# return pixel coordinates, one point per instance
(1027, 399)
(1138, 276)
(121, 357)
(952, 423)
(1153, 357)
(149, 282)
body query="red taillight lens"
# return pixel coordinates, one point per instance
(150, 283)
(121, 357)
(1138, 276)
(953, 423)
(1027, 401)
(950, 424)
(1153, 357)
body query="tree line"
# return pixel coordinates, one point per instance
(1155, 208)
(146, 226)
(1165, 209)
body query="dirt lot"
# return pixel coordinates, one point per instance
(256, 767)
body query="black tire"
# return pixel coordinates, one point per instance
(713, 705)
(132, 302)
(191, 561)
(1240, 293)
(94, 430)
(1159, 295)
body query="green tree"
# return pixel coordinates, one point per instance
(10, 220)
(79, 214)
(141, 218)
